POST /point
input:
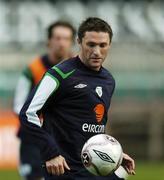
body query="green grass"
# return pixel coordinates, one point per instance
(144, 171)
(9, 175)
(149, 171)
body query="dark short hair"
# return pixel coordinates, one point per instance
(60, 24)
(94, 24)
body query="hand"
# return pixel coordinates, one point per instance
(57, 165)
(129, 164)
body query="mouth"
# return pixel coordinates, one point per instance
(96, 59)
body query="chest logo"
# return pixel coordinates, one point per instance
(99, 110)
(99, 91)
(80, 86)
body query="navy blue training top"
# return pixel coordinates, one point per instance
(73, 101)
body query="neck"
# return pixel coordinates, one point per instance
(84, 62)
(52, 58)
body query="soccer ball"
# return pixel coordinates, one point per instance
(102, 155)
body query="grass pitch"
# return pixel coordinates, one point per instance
(144, 171)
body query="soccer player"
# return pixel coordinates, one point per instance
(60, 40)
(74, 98)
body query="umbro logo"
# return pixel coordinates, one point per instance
(104, 156)
(80, 86)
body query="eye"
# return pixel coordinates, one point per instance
(90, 44)
(103, 45)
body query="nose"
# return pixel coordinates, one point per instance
(96, 51)
(62, 43)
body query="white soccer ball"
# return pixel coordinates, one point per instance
(102, 155)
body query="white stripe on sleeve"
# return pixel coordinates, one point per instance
(21, 93)
(45, 89)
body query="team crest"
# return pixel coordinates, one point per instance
(99, 91)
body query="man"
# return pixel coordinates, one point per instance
(73, 97)
(60, 40)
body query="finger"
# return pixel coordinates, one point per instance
(133, 164)
(133, 173)
(49, 170)
(53, 171)
(48, 167)
(66, 165)
(127, 169)
(61, 169)
(131, 167)
(56, 168)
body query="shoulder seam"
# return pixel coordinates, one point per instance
(61, 73)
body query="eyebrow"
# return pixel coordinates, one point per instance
(97, 43)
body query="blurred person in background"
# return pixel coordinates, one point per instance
(68, 99)
(60, 36)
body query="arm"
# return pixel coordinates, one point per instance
(31, 130)
(31, 125)
(22, 90)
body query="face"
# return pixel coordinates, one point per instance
(94, 49)
(60, 43)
